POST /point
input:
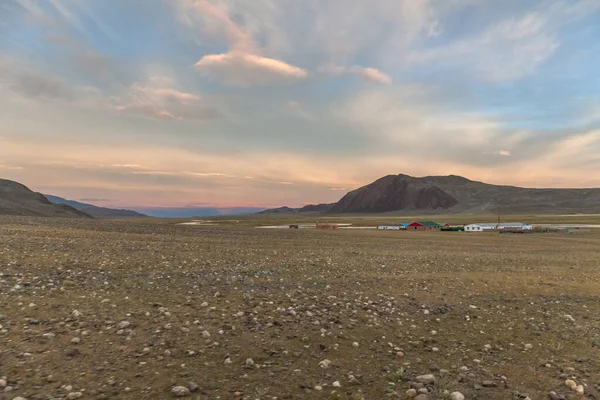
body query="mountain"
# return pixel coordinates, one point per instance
(404, 194)
(315, 208)
(189, 212)
(392, 193)
(95, 211)
(18, 199)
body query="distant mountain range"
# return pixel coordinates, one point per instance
(190, 212)
(95, 211)
(18, 199)
(404, 194)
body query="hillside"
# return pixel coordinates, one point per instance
(95, 211)
(17, 199)
(392, 193)
(314, 208)
(404, 194)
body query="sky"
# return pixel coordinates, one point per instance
(198, 103)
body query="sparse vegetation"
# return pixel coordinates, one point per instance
(149, 309)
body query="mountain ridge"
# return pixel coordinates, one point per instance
(18, 199)
(95, 211)
(454, 194)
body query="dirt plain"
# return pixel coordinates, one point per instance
(104, 309)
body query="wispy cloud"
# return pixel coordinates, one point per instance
(243, 64)
(288, 102)
(369, 74)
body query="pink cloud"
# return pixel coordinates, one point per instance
(243, 64)
(370, 74)
(242, 69)
(154, 99)
(217, 19)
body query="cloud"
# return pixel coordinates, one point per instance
(504, 153)
(511, 48)
(242, 69)
(156, 100)
(243, 63)
(369, 74)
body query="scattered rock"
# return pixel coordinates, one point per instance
(427, 379)
(124, 324)
(456, 396)
(180, 391)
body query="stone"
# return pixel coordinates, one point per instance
(249, 362)
(554, 396)
(422, 397)
(124, 324)
(3, 383)
(570, 384)
(528, 346)
(180, 391)
(411, 393)
(569, 318)
(488, 383)
(193, 386)
(427, 379)
(580, 390)
(72, 352)
(337, 384)
(456, 396)
(74, 395)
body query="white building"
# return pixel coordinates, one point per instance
(480, 227)
(390, 227)
(515, 225)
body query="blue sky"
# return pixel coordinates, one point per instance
(270, 102)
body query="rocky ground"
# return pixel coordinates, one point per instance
(138, 310)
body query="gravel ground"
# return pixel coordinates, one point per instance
(138, 310)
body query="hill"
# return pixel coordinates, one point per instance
(95, 211)
(18, 199)
(314, 208)
(404, 194)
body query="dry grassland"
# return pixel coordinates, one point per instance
(129, 310)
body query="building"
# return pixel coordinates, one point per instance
(423, 226)
(389, 227)
(515, 226)
(481, 227)
(399, 227)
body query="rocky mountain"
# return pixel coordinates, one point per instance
(404, 194)
(95, 211)
(17, 199)
(392, 193)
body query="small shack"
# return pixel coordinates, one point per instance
(294, 226)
